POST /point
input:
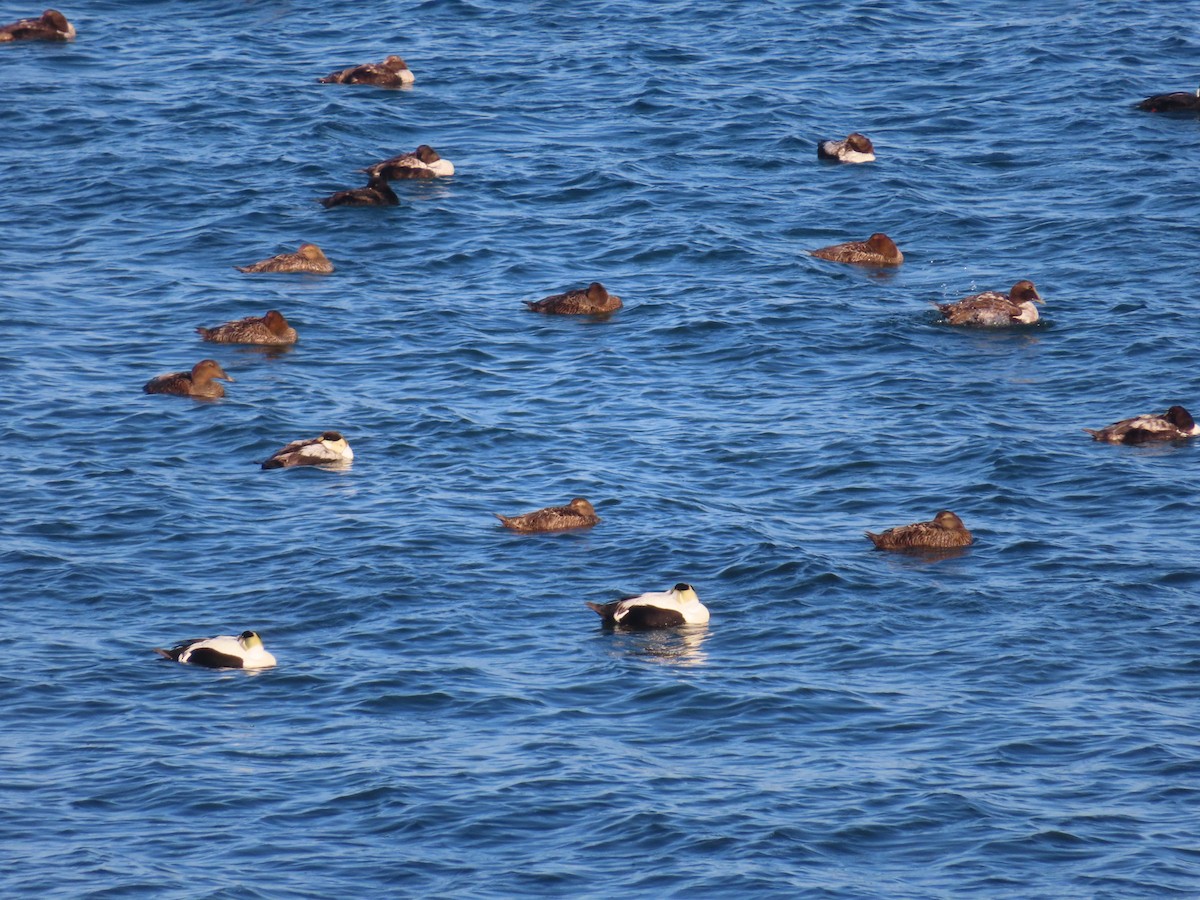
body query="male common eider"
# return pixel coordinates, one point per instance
(272, 328)
(393, 72)
(657, 609)
(1174, 424)
(576, 514)
(423, 162)
(991, 309)
(856, 148)
(329, 449)
(196, 383)
(877, 250)
(592, 301)
(1178, 101)
(308, 258)
(945, 531)
(223, 652)
(377, 193)
(52, 26)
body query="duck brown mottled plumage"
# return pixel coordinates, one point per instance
(307, 258)
(656, 609)
(50, 26)
(991, 309)
(196, 383)
(424, 162)
(377, 193)
(855, 148)
(1176, 101)
(877, 250)
(576, 514)
(327, 449)
(593, 300)
(393, 72)
(1175, 424)
(944, 532)
(272, 328)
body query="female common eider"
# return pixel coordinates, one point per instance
(856, 148)
(592, 301)
(393, 72)
(223, 652)
(991, 309)
(272, 328)
(196, 383)
(423, 162)
(657, 609)
(576, 514)
(52, 26)
(1179, 101)
(1176, 423)
(944, 532)
(377, 193)
(307, 258)
(877, 250)
(329, 449)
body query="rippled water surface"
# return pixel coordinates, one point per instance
(447, 717)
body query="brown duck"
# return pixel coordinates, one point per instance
(992, 309)
(1173, 425)
(393, 72)
(272, 328)
(51, 26)
(592, 301)
(424, 162)
(307, 258)
(577, 514)
(377, 193)
(877, 250)
(196, 383)
(944, 532)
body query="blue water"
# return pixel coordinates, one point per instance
(447, 718)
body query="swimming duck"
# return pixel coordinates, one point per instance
(576, 514)
(328, 449)
(592, 301)
(52, 26)
(991, 309)
(392, 72)
(222, 652)
(657, 609)
(945, 531)
(272, 328)
(377, 193)
(1174, 424)
(1179, 101)
(877, 250)
(424, 162)
(196, 383)
(307, 258)
(856, 148)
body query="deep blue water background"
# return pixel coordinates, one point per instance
(447, 718)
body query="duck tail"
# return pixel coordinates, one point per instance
(873, 538)
(1095, 434)
(167, 654)
(598, 608)
(203, 332)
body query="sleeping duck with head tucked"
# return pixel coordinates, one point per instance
(992, 309)
(576, 514)
(270, 329)
(945, 532)
(308, 258)
(377, 193)
(225, 651)
(393, 72)
(656, 609)
(855, 148)
(197, 383)
(424, 162)
(877, 250)
(594, 300)
(327, 449)
(50, 26)
(1173, 425)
